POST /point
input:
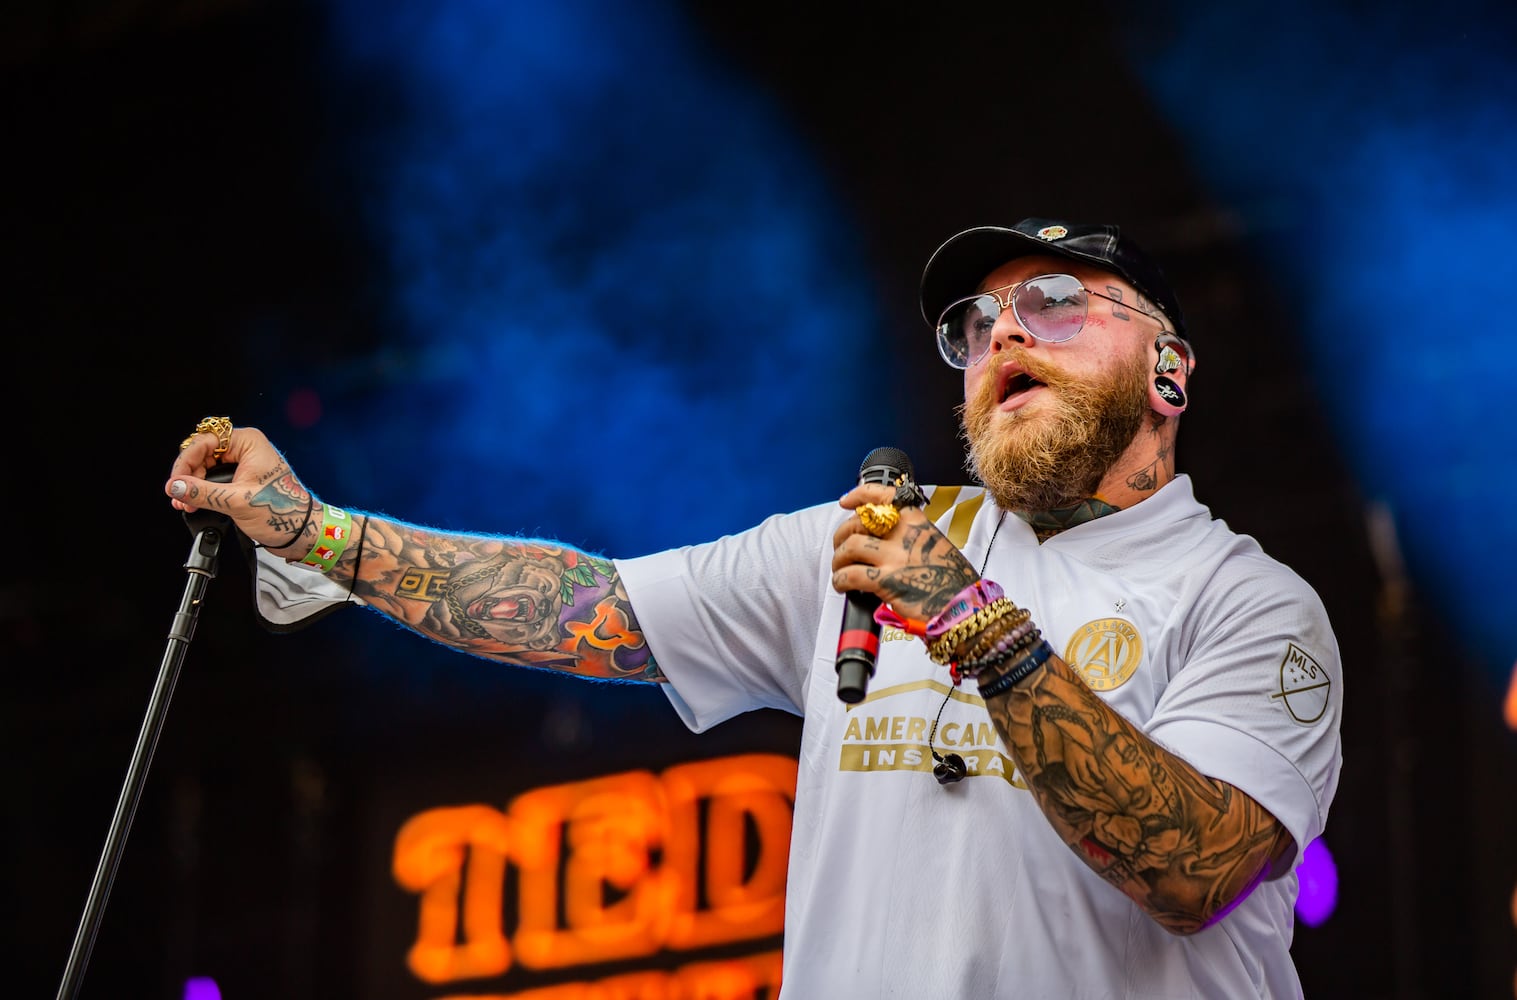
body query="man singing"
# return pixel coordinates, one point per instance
(1101, 726)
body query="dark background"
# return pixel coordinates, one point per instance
(172, 183)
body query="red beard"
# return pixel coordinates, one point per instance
(1054, 452)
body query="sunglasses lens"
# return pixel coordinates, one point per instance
(964, 329)
(1051, 308)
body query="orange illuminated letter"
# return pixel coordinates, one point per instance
(588, 889)
(739, 903)
(430, 851)
(603, 831)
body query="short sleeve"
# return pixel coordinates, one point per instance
(1257, 700)
(732, 623)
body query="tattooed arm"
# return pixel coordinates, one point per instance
(1186, 848)
(516, 600)
(522, 601)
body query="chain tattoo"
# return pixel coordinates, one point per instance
(524, 602)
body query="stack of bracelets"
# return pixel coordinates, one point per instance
(982, 633)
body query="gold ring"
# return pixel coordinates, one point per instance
(219, 426)
(878, 518)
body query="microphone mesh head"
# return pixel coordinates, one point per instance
(884, 465)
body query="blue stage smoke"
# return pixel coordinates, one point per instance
(628, 313)
(1370, 148)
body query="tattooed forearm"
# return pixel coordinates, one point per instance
(525, 602)
(1184, 847)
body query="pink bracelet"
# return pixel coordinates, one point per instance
(964, 604)
(885, 615)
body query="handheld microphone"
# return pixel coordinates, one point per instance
(859, 637)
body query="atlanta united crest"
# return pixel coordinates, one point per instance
(1105, 652)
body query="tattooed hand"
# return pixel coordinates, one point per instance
(914, 569)
(264, 499)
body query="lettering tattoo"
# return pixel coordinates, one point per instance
(280, 469)
(1182, 846)
(525, 602)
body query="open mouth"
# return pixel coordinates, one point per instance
(1018, 383)
(517, 609)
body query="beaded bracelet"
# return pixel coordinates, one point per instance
(1011, 648)
(941, 650)
(1005, 682)
(1015, 643)
(978, 645)
(333, 539)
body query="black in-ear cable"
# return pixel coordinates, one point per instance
(949, 768)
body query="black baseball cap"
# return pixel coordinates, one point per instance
(956, 268)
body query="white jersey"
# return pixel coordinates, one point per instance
(901, 887)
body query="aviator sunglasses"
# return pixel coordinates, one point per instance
(1051, 307)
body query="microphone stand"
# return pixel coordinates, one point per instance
(209, 528)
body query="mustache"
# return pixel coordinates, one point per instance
(1041, 369)
(987, 396)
